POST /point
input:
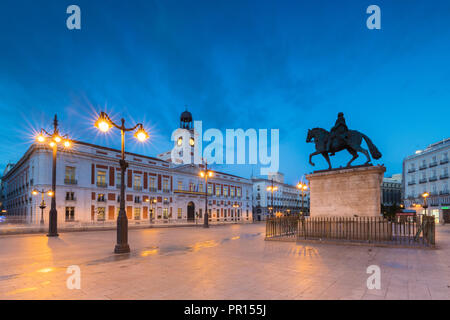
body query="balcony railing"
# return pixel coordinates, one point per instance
(424, 180)
(411, 170)
(71, 199)
(137, 188)
(422, 167)
(433, 164)
(432, 178)
(443, 176)
(410, 183)
(101, 184)
(152, 189)
(444, 192)
(101, 200)
(166, 190)
(444, 161)
(70, 181)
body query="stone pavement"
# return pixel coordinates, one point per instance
(222, 262)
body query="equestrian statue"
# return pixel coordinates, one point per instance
(340, 138)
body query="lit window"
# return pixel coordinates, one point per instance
(137, 213)
(180, 213)
(101, 214)
(101, 178)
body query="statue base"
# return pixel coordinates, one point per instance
(346, 192)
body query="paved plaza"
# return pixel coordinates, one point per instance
(222, 262)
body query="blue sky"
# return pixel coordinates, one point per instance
(288, 65)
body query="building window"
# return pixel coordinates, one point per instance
(238, 192)
(70, 213)
(137, 213)
(137, 199)
(101, 214)
(101, 178)
(137, 183)
(191, 186)
(118, 179)
(165, 213)
(225, 191)
(180, 185)
(180, 213)
(70, 196)
(210, 190)
(165, 185)
(101, 197)
(217, 191)
(200, 188)
(70, 175)
(232, 192)
(152, 184)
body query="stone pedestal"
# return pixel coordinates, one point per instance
(346, 192)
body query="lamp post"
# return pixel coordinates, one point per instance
(425, 195)
(206, 174)
(303, 187)
(42, 205)
(152, 201)
(272, 188)
(104, 123)
(55, 139)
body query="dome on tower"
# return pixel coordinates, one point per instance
(186, 120)
(186, 116)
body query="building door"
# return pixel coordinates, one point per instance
(446, 214)
(191, 211)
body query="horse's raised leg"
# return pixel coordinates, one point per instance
(354, 154)
(325, 155)
(310, 156)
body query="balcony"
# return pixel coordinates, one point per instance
(137, 188)
(445, 192)
(166, 190)
(423, 167)
(444, 161)
(166, 202)
(433, 178)
(70, 181)
(443, 176)
(152, 189)
(433, 164)
(424, 180)
(101, 199)
(410, 183)
(71, 199)
(101, 184)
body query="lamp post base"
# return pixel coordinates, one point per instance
(206, 226)
(122, 248)
(52, 235)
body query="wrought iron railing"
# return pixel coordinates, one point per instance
(411, 232)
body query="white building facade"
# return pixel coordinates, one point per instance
(428, 171)
(285, 200)
(88, 181)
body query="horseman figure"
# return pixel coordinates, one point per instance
(339, 131)
(340, 138)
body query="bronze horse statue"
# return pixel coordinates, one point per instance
(352, 144)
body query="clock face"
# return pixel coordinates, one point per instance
(180, 141)
(191, 141)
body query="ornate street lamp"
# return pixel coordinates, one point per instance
(42, 205)
(104, 124)
(54, 139)
(303, 188)
(425, 195)
(152, 201)
(205, 174)
(272, 188)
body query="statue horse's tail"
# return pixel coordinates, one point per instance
(376, 154)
